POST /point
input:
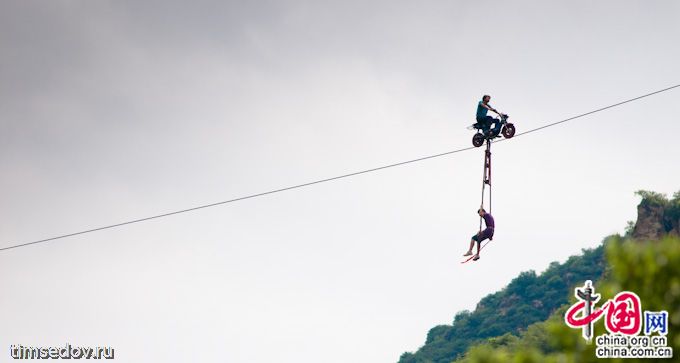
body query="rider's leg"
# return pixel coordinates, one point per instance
(488, 122)
(481, 124)
(497, 127)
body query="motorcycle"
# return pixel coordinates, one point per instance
(485, 132)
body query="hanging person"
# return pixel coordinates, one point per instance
(482, 235)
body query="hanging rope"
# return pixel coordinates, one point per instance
(486, 178)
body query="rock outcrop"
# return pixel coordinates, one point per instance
(657, 217)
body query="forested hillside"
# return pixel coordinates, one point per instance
(528, 298)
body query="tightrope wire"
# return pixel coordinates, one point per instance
(324, 180)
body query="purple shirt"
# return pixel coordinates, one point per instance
(488, 219)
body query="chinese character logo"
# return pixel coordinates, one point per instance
(587, 298)
(656, 322)
(624, 314)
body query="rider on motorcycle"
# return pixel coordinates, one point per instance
(485, 121)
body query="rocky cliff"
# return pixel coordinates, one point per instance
(657, 216)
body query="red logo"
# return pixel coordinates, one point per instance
(624, 314)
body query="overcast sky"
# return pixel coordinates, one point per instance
(117, 110)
